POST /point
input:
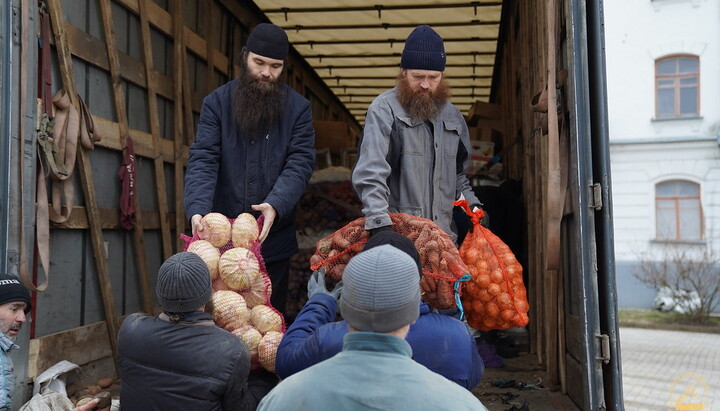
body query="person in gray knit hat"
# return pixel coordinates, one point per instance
(183, 284)
(415, 150)
(379, 300)
(254, 152)
(180, 360)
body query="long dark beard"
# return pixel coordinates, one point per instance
(422, 104)
(257, 104)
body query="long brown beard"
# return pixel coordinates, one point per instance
(422, 104)
(257, 104)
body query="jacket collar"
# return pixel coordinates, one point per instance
(6, 344)
(376, 342)
(193, 318)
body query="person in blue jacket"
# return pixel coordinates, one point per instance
(254, 151)
(375, 370)
(443, 344)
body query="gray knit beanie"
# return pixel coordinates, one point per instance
(183, 283)
(424, 50)
(268, 40)
(381, 290)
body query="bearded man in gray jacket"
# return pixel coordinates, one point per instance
(415, 147)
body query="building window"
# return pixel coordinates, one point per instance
(677, 87)
(678, 210)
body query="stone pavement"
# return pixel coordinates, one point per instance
(670, 370)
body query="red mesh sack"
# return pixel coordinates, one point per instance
(441, 264)
(495, 297)
(240, 284)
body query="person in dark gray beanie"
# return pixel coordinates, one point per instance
(254, 152)
(183, 283)
(379, 300)
(180, 360)
(415, 150)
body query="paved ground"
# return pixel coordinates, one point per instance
(670, 370)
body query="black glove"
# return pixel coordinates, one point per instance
(380, 229)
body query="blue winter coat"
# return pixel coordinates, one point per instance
(441, 343)
(228, 172)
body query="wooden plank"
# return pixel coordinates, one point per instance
(209, 44)
(119, 96)
(109, 219)
(178, 53)
(161, 19)
(80, 346)
(86, 176)
(160, 188)
(110, 132)
(187, 102)
(92, 51)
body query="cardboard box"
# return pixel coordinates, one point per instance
(333, 135)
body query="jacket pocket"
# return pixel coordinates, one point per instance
(416, 211)
(453, 130)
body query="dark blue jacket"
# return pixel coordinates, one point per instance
(228, 172)
(440, 343)
(191, 365)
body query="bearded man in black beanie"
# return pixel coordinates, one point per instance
(254, 151)
(415, 147)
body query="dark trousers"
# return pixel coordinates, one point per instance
(279, 272)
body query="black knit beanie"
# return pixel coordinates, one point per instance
(11, 290)
(268, 40)
(183, 283)
(424, 50)
(396, 240)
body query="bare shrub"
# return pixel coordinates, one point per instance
(684, 268)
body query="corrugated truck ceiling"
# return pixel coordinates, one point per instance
(355, 46)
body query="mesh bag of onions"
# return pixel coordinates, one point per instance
(241, 285)
(441, 264)
(495, 297)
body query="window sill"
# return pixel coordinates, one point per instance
(661, 119)
(678, 242)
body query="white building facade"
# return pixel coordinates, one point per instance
(663, 69)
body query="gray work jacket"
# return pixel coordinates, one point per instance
(404, 166)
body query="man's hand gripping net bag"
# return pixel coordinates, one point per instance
(495, 297)
(441, 263)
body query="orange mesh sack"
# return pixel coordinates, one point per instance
(495, 297)
(441, 264)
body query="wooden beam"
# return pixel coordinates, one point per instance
(161, 19)
(209, 44)
(178, 53)
(109, 219)
(119, 96)
(188, 103)
(80, 346)
(110, 132)
(92, 51)
(160, 188)
(86, 176)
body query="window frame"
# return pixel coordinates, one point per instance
(676, 87)
(677, 211)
